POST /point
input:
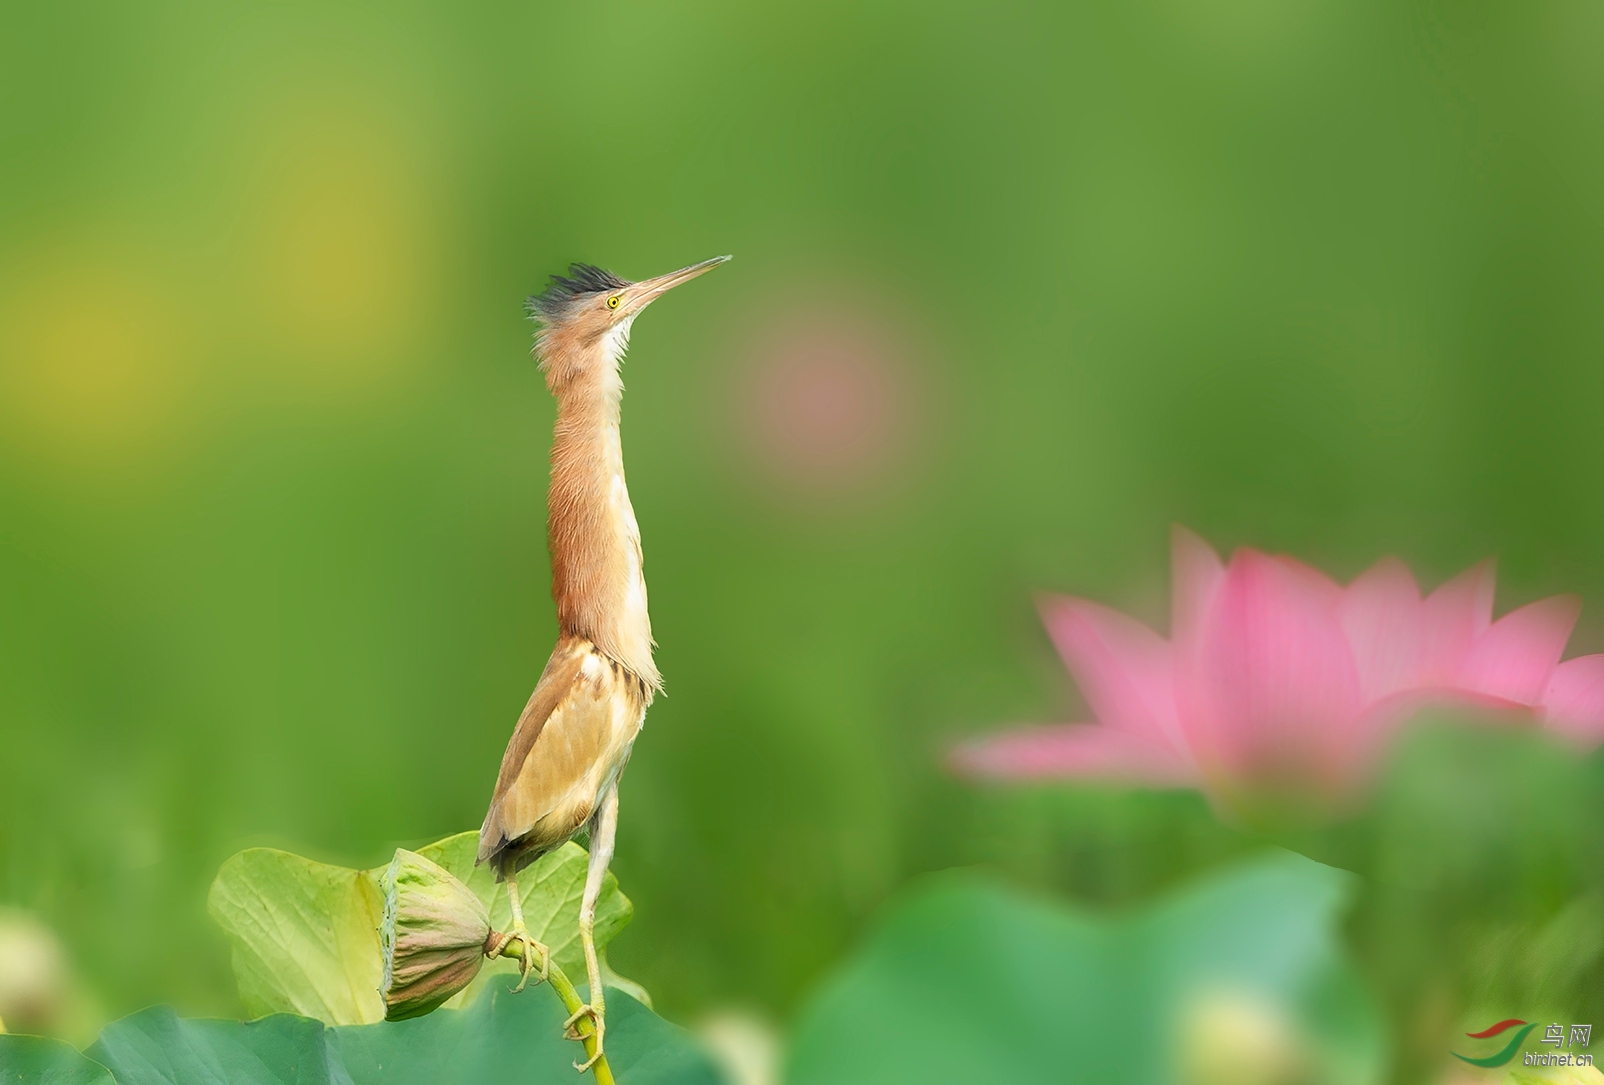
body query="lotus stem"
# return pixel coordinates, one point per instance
(570, 999)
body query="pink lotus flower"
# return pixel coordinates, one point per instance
(1277, 677)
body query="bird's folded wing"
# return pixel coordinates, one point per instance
(563, 738)
(556, 684)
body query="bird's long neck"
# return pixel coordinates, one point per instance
(596, 577)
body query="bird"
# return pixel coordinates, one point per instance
(560, 773)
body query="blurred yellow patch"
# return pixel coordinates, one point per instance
(92, 349)
(337, 250)
(1236, 1038)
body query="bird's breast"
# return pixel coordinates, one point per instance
(598, 579)
(634, 619)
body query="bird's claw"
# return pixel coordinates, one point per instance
(520, 933)
(570, 1026)
(571, 1032)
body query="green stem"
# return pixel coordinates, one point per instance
(570, 998)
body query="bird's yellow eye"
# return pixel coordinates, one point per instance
(612, 302)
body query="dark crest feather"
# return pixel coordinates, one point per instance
(581, 281)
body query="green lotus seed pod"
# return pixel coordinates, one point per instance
(433, 934)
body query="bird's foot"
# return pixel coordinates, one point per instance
(526, 958)
(571, 1031)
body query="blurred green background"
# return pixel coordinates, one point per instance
(1015, 287)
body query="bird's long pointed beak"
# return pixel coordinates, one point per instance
(650, 290)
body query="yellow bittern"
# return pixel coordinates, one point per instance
(560, 772)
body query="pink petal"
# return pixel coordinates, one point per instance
(1574, 700)
(1195, 574)
(1278, 689)
(1516, 657)
(1455, 615)
(1321, 586)
(1121, 666)
(1381, 615)
(1072, 750)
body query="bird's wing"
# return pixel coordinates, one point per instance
(563, 736)
(556, 683)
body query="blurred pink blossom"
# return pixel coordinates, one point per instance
(833, 399)
(1276, 676)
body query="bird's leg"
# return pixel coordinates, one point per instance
(520, 933)
(601, 854)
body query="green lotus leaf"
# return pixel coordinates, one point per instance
(1236, 980)
(500, 1038)
(305, 935)
(35, 1060)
